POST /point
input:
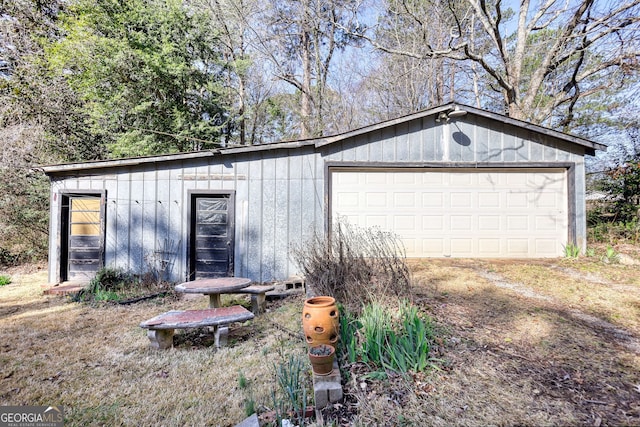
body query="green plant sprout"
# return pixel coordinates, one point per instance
(571, 251)
(610, 256)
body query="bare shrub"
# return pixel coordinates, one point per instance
(355, 265)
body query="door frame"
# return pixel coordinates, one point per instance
(62, 271)
(192, 196)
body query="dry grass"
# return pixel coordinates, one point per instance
(513, 359)
(537, 342)
(98, 364)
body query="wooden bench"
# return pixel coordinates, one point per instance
(258, 296)
(161, 328)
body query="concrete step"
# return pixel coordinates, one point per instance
(67, 289)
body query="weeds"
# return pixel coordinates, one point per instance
(117, 285)
(249, 402)
(571, 251)
(105, 285)
(349, 326)
(610, 256)
(354, 263)
(5, 280)
(161, 261)
(106, 296)
(615, 232)
(290, 398)
(243, 383)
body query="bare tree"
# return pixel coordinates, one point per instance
(300, 43)
(232, 20)
(544, 58)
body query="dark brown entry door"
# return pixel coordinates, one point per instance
(212, 236)
(84, 238)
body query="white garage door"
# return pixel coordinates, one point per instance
(459, 212)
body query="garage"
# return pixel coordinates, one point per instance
(451, 181)
(459, 212)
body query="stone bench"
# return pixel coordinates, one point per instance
(258, 296)
(161, 328)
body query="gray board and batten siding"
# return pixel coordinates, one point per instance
(282, 192)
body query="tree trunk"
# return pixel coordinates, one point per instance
(305, 100)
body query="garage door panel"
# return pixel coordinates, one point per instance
(377, 221)
(518, 247)
(432, 179)
(379, 179)
(432, 247)
(348, 200)
(406, 179)
(460, 212)
(461, 200)
(488, 222)
(404, 223)
(462, 247)
(490, 247)
(410, 245)
(488, 200)
(546, 201)
(520, 180)
(404, 200)
(546, 246)
(432, 200)
(491, 180)
(546, 223)
(461, 180)
(347, 179)
(376, 200)
(517, 223)
(516, 200)
(461, 222)
(433, 222)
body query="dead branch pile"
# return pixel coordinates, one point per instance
(354, 264)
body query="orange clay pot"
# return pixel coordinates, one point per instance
(322, 364)
(320, 321)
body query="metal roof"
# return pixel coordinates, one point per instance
(590, 146)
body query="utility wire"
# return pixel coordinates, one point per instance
(184, 137)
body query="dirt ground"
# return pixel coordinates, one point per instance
(520, 342)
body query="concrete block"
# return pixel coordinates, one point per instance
(161, 339)
(294, 283)
(321, 397)
(220, 334)
(258, 303)
(328, 388)
(325, 393)
(335, 394)
(251, 421)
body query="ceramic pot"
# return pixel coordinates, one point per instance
(320, 321)
(321, 358)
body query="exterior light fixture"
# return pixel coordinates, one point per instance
(451, 113)
(456, 112)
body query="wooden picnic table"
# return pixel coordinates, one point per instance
(214, 287)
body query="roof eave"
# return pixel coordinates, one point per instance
(286, 145)
(320, 142)
(590, 145)
(134, 161)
